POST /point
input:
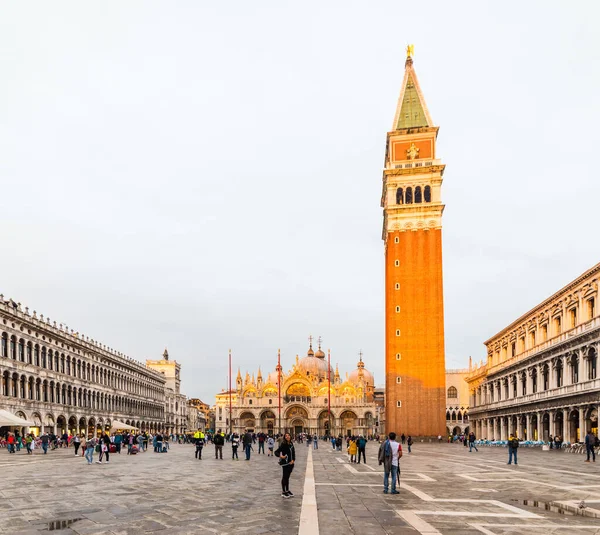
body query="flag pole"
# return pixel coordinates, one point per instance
(230, 404)
(279, 385)
(329, 390)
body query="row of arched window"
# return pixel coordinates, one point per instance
(48, 391)
(456, 416)
(416, 196)
(75, 367)
(550, 374)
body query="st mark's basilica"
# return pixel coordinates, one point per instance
(307, 404)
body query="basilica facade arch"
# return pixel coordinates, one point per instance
(313, 399)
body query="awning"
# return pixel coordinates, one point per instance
(8, 418)
(116, 425)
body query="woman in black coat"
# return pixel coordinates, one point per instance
(287, 456)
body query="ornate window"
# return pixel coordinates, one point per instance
(399, 196)
(409, 196)
(418, 195)
(452, 392)
(427, 194)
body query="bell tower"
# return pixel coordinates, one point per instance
(414, 301)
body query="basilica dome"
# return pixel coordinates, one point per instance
(313, 365)
(354, 376)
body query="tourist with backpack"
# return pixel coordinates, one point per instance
(389, 455)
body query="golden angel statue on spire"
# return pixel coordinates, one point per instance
(410, 51)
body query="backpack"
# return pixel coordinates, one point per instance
(514, 443)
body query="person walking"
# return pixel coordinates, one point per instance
(316, 442)
(389, 455)
(104, 448)
(45, 441)
(199, 445)
(247, 442)
(352, 449)
(270, 446)
(28, 441)
(403, 438)
(361, 443)
(472, 442)
(11, 442)
(76, 443)
(89, 449)
(235, 443)
(287, 457)
(219, 442)
(261, 443)
(409, 441)
(590, 443)
(513, 444)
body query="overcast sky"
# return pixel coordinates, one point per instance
(207, 175)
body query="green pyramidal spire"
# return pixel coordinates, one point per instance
(411, 111)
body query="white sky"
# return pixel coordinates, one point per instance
(206, 176)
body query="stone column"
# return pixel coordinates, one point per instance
(565, 429)
(551, 423)
(529, 433)
(540, 416)
(581, 371)
(582, 426)
(504, 433)
(566, 374)
(519, 427)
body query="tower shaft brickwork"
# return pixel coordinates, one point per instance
(414, 304)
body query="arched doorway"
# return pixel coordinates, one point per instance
(592, 420)
(533, 432)
(349, 423)
(456, 431)
(324, 423)
(559, 425)
(82, 425)
(574, 426)
(61, 425)
(267, 422)
(297, 420)
(247, 421)
(297, 426)
(73, 425)
(545, 427)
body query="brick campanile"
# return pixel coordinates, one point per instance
(414, 300)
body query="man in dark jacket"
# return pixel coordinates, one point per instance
(219, 442)
(362, 445)
(590, 442)
(513, 444)
(247, 442)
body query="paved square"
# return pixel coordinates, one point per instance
(147, 493)
(444, 489)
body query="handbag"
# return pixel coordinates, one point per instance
(98, 448)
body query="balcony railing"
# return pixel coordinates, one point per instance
(554, 393)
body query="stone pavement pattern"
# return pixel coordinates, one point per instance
(147, 493)
(445, 489)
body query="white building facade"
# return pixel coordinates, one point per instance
(64, 382)
(541, 375)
